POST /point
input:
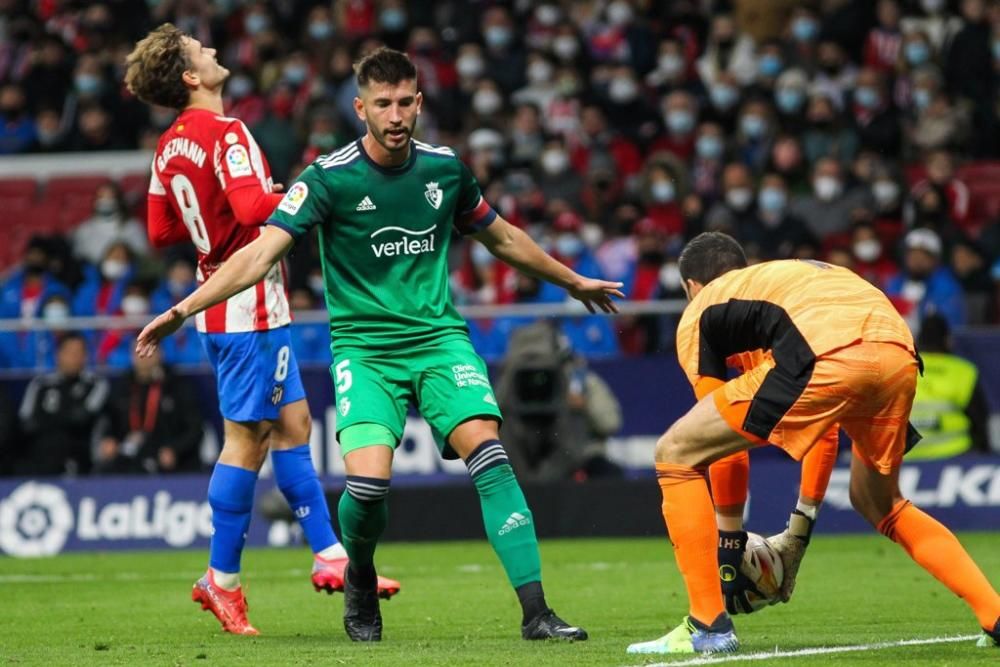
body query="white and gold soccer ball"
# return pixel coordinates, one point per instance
(762, 565)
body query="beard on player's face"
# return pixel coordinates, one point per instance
(381, 135)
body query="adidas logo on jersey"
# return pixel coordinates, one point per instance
(366, 204)
(514, 521)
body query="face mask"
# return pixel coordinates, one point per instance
(392, 20)
(739, 198)
(177, 288)
(932, 6)
(539, 72)
(916, 53)
(87, 84)
(772, 200)
(622, 91)
(554, 161)
(133, 304)
(566, 47)
(547, 15)
(48, 137)
(113, 269)
(592, 235)
(885, 193)
(568, 245)
(320, 30)
(105, 207)
(316, 284)
(769, 65)
(866, 97)
(996, 49)
(921, 98)
(804, 29)
(662, 192)
(55, 312)
(497, 36)
(708, 147)
(679, 121)
(486, 102)
(670, 64)
(670, 276)
(256, 23)
(753, 126)
(470, 67)
(325, 141)
(619, 13)
(826, 187)
(723, 96)
(295, 74)
(789, 100)
(481, 257)
(868, 250)
(240, 87)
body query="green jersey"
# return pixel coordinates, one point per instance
(384, 236)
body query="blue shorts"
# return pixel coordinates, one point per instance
(256, 373)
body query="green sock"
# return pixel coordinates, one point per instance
(509, 524)
(363, 513)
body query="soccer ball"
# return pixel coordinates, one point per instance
(762, 565)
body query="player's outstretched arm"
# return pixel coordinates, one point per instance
(244, 268)
(516, 248)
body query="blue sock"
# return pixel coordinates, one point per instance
(296, 477)
(230, 494)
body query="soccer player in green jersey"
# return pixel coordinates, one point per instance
(386, 206)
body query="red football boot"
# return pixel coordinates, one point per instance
(230, 607)
(328, 575)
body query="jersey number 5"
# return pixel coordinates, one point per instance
(344, 377)
(187, 202)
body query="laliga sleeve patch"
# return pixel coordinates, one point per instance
(238, 161)
(294, 198)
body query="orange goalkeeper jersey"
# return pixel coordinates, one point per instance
(794, 310)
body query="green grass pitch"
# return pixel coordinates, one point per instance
(456, 608)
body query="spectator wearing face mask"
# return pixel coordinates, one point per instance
(36, 348)
(887, 195)
(940, 125)
(779, 232)
(555, 174)
(925, 286)
(708, 160)
(727, 51)
(104, 286)
(51, 133)
(875, 118)
(115, 346)
(673, 71)
(680, 120)
(755, 133)
(735, 213)
(663, 193)
(935, 21)
(832, 206)
(179, 281)
(915, 54)
(836, 74)
(770, 64)
(242, 99)
(826, 134)
(28, 285)
(111, 223)
(505, 58)
(569, 247)
(790, 96)
(871, 261)
(539, 90)
(724, 94)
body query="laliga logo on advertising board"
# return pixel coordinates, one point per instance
(35, 520)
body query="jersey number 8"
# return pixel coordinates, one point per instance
(187, 202)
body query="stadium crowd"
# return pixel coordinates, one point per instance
(857, 132)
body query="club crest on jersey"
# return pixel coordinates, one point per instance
(434, 195)
(238, 161)
(293, 199)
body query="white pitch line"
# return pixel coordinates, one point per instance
(776, 654)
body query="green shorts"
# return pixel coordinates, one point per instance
(448, 384)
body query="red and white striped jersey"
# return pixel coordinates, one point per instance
(201, 160)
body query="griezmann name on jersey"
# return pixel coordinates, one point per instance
(384, 236)
(199, 160)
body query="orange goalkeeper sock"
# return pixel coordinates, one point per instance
(690, 519)
(937, 550)
(730, 477)
(817, 466)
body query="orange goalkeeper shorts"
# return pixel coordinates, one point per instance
(867, 388)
